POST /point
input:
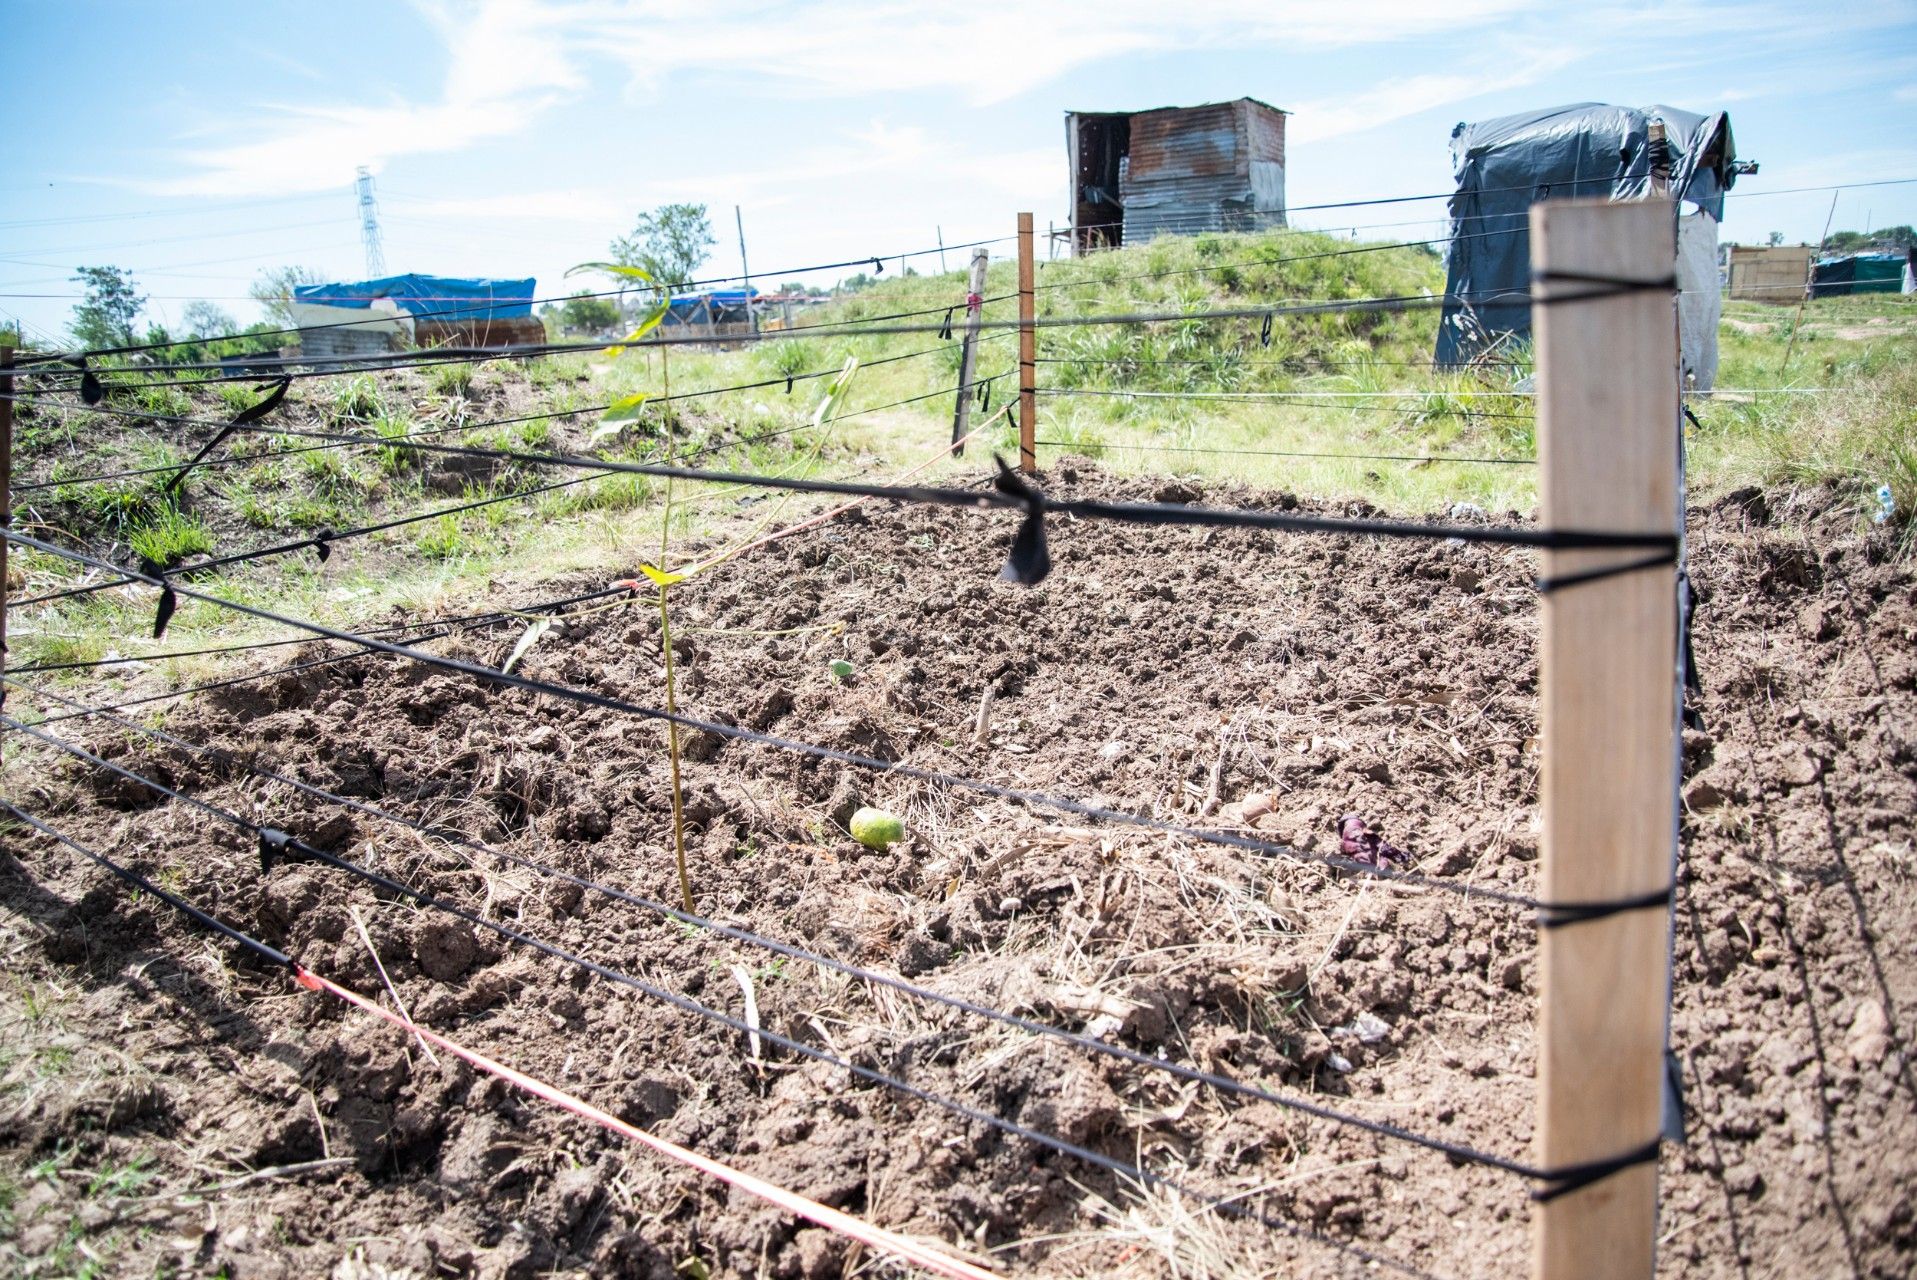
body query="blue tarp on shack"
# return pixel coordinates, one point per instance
(714, 306)
(1506, 165)
(432, 297)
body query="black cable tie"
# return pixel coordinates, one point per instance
(1676, 1114)
(169, 604)
(1029, 560)
(252, 413)
(1264, 333)
(1545, 586)
(91, 392)
(878, 267)
(1614, 285)
(984, 396)
(323, 543)
(945, 330)
(1563, 1182)
(788, 384)
(275, 845)
(1557, 915)
(1692, 418)
(1693, 684)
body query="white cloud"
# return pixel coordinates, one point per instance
(509, 61)
(988, 53)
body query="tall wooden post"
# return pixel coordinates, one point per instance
(6, 497)
(968, 354)
(1027, 352)
(1608, 459)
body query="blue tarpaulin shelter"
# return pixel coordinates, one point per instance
(1880, 271)
(714, 306)
(1506, 165)
(451, 298)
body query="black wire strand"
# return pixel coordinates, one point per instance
(280, 843)
(488, 617)
(481, 425)
(586, 697)
(1419, 458)
(322, 540)
(1222, 1083)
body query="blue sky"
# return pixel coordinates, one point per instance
(199, 142)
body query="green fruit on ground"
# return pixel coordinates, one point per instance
(875, 828)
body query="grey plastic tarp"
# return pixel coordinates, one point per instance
(1506, 165)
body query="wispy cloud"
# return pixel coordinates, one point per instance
(510, 61)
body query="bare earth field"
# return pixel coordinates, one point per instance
(149, 1068)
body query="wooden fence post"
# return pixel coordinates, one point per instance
(1027, 353)
(1608, 459)
(968, 354)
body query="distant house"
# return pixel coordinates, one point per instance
(714, 313)
(369, 317)
(1768, 272)
(1174, 171)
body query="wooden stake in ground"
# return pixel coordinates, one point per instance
(1607, 459)
(1027, 352)
(968, 354)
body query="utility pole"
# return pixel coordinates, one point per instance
(941, 235)
(968, 354)
(369, 225)
(745, 272)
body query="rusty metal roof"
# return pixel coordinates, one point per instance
(1190, 106)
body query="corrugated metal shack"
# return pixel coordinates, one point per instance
(1174, 171)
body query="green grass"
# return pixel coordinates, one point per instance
(453, 381)
(443, 539)
(357, 399)
(170, 537)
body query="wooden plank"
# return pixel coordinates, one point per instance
(968, 354)
(1607, 453)
(1027, 352)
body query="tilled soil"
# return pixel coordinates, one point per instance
(1251, 683)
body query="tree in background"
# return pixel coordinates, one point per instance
(1776, 238)
(204, 320)
(670, 244)
(583, 314)
(105, 318)
(273, 290)
(1884, 237)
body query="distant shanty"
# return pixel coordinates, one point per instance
(370, 317)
